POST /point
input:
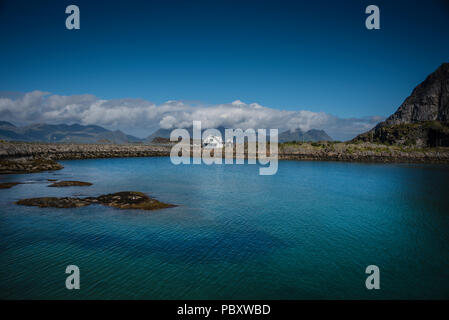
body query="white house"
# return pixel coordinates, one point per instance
(213, 142)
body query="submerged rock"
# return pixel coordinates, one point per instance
(28, 166)
(121, 200)
(53, 202)
(132, 200)
(7, 185)
(70, 184)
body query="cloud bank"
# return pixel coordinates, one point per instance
(141, 117)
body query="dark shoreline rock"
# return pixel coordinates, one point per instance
(70, 184)
(121, 200)
(8, 185)
(28, 166)
(361, 152)
(132, 200)
(72, 151)
(53, 202)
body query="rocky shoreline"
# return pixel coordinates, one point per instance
(362, 152)
(16, 157)
(63, 151)
(29, 165)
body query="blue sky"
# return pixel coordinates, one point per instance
(288, 55)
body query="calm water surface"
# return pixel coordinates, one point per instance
(307, 232)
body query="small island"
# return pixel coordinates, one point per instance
(121, 200)
(33, 165)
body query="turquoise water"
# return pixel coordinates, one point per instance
(307, 232)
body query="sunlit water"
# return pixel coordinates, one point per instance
(307, 232)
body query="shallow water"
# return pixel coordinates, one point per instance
(307, 232)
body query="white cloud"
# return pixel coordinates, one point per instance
(141, 117)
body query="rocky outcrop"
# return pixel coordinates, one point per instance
(421, 134)
(121, 200)
(131, 200)
(53, 202)
(28, 166)
(70, 184)
(429, 101)
(422, 119)
(7, 185)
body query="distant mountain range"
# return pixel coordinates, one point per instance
(77, 133)
(422, 119)
(63, 133)
(312, 135)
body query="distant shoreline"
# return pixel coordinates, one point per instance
(323, 151)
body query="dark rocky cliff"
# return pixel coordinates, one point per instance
(422, 119)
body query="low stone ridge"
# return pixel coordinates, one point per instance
(71, 184)
(121, 200)
(28, 166)
(71, 151)
(7, 185)
(360, 151)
